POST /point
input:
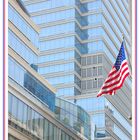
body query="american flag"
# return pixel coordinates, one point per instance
(117, 75)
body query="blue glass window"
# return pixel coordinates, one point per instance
(119, 117)
(91, 104)
(95, 32)
(57, 43)
(51, 17)
(17, 45)
(22, 25)
(118, 28)
(77, 57)
(120, 133)
(116, 16)
(77, 81)
(81, 19)
(77, 69)
(35, 124)
(57, 68)
(58, 29)
(46, 5)
(123, 6)
(99, 120)
(61, 80)
(126, 22)
(26, 80)
(94, 19)
(95, 5)
(82, 6)
(67, 55)
(65, 92)
(73, 116)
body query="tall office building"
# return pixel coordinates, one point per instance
(34, 113)
(78, 42)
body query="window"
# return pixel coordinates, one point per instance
(83, 61)
(100, 70)
(120, 133)
(10, 103)
(29, 119)
(63, 136)
(84, 85)
(95, 83)
(83, 73)
(20, 112)
(89, 84)
(57, 43)
(22, 25)
(33, 122)
(77, 69)
(24, 51)
(94, 71)
(99, 59)
(51, 131)
(99, 120)
(78, 57)
(100, 82)
(41, 124)
(58, 29)
(14, 107)
(29, 82)
(56, 135)
(94, 59)
(46, 130)
(25, 114)
(67, 137)
(77, 81)
(91, 104)
(89, 60)
(89, 72)
(55, 16)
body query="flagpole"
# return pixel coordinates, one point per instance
(129, 59)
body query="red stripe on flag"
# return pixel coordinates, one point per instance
(114, 89)
(116, 75)
(114, 71)
(115, 79)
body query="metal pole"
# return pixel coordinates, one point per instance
(129, 57)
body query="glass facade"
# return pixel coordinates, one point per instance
(34, 123)
(79, 42)
(21, 48)
(53, 17)
(57, 56)
(92, 104)
(25, 116)
(57, 68)
(58, 43)
(22, 116)
(58, 29)
(118, 116)
(103, 119)
(68, 91)
(73, 116)
(49, 5)
(22, 25)
(21, 76)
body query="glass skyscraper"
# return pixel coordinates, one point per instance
(78, 42)
(34, 113)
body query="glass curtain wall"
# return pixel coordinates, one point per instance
(27, 118)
